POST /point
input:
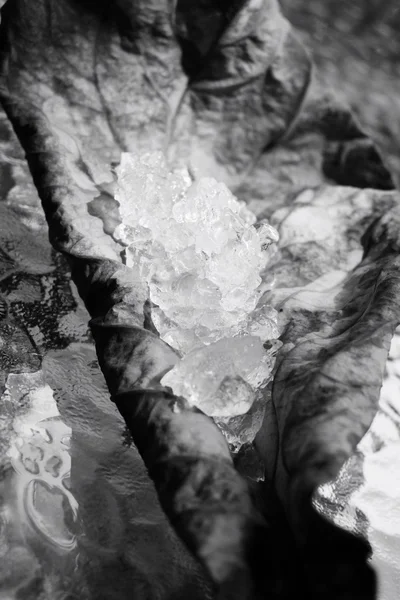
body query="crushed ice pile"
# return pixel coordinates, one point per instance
(203, 256)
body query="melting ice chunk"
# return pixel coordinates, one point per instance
(202, 254)
(222, 379)
(196, 245)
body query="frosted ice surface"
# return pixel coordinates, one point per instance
(202, 254)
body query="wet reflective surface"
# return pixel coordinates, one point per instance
(79, 517)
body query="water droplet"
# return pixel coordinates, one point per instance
(66, 441)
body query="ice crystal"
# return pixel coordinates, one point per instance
(202, 254)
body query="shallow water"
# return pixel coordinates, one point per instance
(79, 514)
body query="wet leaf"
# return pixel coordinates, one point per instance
(231, 96)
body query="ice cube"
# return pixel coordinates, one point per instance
(222, 378)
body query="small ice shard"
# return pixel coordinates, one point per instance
(222, 379)
(203, 255)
